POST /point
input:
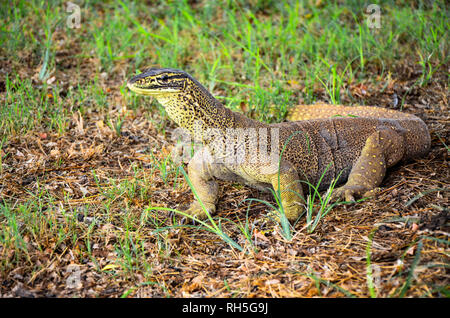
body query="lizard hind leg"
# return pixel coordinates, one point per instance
(383, 149)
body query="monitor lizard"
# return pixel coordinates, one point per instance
(321, 143)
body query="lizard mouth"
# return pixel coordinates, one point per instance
(150, 90)
(158, 81)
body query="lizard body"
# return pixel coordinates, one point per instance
(322, 143)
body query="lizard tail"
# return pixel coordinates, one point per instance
(414, 131)
(318, 111)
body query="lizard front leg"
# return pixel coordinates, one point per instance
(287, 184)
(382, 149)
(206, 188)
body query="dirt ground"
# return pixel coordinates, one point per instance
(408, 253)
(76, 202)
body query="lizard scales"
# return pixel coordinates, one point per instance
(321, 142)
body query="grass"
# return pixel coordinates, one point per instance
(209, 224)
(84, 163)
(323, 207)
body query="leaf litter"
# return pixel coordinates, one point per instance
(87, 191)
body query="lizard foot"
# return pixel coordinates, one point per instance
(348, 193)
(372, 192)
(197, 212)
(292, 213)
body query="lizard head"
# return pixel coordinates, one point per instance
(159, 81)
(185, 100)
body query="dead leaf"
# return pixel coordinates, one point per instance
(259, 235)
(55, 153)
(51, 80)
(272, 282)
(243, 106)
(411, 250)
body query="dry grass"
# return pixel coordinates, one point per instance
(75, 216)
(188, 262)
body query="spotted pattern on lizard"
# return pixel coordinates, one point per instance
(351, 144)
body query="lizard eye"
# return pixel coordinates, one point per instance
(164, 78)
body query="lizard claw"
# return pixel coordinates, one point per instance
(348, 193)
(182, 220)
(345, 192)
(172, 214)
(197, 212)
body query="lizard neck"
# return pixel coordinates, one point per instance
(195, 108)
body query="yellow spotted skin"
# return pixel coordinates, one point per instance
(354, 144)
